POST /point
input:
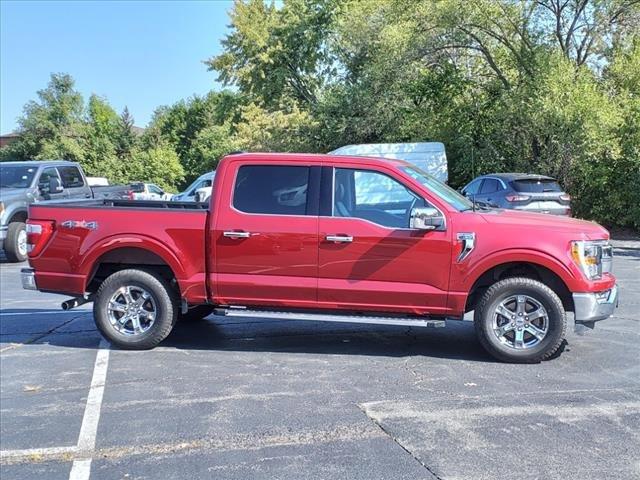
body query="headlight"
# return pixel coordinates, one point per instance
(593, 257)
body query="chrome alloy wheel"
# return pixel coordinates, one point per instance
(520, 322)
(132, 310)
(22, 242)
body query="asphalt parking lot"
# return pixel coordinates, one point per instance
(227, 398)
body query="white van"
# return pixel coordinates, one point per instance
(428, 156)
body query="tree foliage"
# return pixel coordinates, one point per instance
(59, 126)
(546, 86)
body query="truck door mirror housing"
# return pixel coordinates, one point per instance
(55, 186)
(426, 218)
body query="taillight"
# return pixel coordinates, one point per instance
(517, 198)
(38, 234)
(565, 197)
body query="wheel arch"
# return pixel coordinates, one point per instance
(526, 269)
(19, 215)
(124, 253)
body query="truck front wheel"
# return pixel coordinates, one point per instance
(15, 245)
(520, 320)
(135, 309)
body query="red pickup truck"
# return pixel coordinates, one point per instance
(326, 238)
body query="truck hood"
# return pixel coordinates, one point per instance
(11, 193)
(581, 229)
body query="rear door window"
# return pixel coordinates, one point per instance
(536, 185)
(489, 185)
(272, 189)
(71, 177)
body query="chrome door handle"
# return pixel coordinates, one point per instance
(339, 238)
(236, 234)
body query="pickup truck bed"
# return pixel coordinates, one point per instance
(324, 238)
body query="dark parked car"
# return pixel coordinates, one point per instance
(519, 191)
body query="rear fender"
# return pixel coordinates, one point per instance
(90, 259)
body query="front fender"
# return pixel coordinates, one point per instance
(469, 274)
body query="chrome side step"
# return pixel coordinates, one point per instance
(329, 317)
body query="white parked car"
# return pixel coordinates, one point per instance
(198, 191)
(149, 191)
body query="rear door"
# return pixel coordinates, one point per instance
(266, 235)
(369, 258)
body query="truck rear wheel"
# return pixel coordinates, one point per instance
(135, 309)
(520, 320)
(15, 245)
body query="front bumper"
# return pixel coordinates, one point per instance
(592, 307)
(28, 276)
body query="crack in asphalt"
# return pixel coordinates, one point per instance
(38, 337)
(397, 442)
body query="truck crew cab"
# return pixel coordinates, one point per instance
(329, 238)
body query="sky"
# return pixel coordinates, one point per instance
(141, 54)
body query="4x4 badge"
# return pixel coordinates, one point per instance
(80, 224)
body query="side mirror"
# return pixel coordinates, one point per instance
(55, 186)
(426, 218)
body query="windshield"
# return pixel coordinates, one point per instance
(446, 193)
(16, 176)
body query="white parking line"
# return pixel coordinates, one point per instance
(81, 468)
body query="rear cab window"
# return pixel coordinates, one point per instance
(272, 189)
(536, 185)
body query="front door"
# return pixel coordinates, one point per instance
(369, 258)
(43, 185)
(266, 244)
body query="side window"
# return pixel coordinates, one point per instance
(71, 177)
(373, 196)
(489, 185)
(155, 189)
(472, 189)
(271, 189)
(45, 176)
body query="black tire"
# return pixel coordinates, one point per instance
(12, 242)
(196, 313)
(538, 291)
(165, 303)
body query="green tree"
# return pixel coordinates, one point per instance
(198, 129)
(274, 54)
(50, 127)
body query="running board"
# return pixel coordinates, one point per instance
(328, 317)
